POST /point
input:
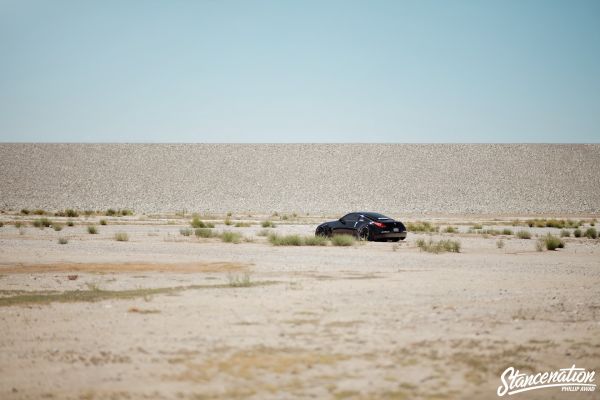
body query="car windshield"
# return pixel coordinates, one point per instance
(376, 216)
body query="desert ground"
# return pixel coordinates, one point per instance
(162, 315)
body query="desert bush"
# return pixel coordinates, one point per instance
(315, 241)
(57, 227)
(185, 232)
(231, 237)
(524, 235)
(553, 223)
(92, 230)
(565, 233)
(1, 224)
(477, 226)
(507, 231)
(63, 240)
(239, 281)
(500, 244)
(204, 233)
(42, 223)
(19, 224)
(284, 217)
(492, 232)
(121, 237)
(125, 212)
(577, 233)
(287, 240)
(267, 224)
(263, 232)
(25, 211)
(242, 224)
(227, 221)
(451, 229)
(39, 212)
(421, 227)
(552, 242)
(441, 246)
(343, 240)
(103, 222)
(70, 223)
(197, 222)
(591, 233)
(111, 212)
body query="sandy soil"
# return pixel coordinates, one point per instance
(170, 320)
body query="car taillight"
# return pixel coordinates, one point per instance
(379, 224)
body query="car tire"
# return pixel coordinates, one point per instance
(363, 234)
(395, 240)
(322, 232)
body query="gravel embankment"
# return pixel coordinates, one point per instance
(314, 178)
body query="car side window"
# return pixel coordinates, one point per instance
(351, 218)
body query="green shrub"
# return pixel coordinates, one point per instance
(42, 223)
(103, 222)
(71, 213)
(343, 240)
(57, 227)
(451, 229)
(125, 212)
(185, 232)
(577, 233)
(19, 224)
(421, 227)
(25, 211)
(204, 233)
(231, 237)
(121, 237)
(63, 240)
(524, 235)
(227, 221)
(111, 212)
(315, 241)
(565, 233)
(441, 246)
(591, 233)
(477, 226)
(267, 224)
(507, 231)
(39, 212)
(242, 224)
(92, 230)
(70, 223)
(287, 240)
(551, 242)
(197, 222)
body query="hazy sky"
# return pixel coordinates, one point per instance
(300, 71)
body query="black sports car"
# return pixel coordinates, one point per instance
(365, 226)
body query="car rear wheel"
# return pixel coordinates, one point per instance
(363, 233)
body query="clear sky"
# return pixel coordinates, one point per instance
(299, 71)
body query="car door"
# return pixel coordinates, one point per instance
(349, 225)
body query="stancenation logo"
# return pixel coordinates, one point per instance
(568, 379)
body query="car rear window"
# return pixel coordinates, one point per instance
(376, 216)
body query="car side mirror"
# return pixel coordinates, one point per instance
(342, 221)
